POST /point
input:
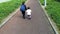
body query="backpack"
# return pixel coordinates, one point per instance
(22, 8)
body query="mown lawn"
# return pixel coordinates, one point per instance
(8, 7)
(53, 9)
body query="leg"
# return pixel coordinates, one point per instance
(24, 15)
(29, 16)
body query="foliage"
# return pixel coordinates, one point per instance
(53, 9)
(8, 7)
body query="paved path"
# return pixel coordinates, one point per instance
(39, 23)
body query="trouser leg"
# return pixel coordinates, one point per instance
(23, 13)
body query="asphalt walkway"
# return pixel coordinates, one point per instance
(39, 23)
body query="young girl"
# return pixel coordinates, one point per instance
(28, 12)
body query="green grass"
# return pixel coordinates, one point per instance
(8, 7)
(53, 9)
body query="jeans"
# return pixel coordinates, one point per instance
(23, 13)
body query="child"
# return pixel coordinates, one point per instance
(28, 12)
(23, 9)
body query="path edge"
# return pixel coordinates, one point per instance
(50, 20)
(4, 21)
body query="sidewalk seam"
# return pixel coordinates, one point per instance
(51, 22)
(9, 17)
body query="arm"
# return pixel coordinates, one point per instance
(25, 7)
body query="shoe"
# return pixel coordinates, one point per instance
(23, 17)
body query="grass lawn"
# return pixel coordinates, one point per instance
(8, 7)
(53, 9)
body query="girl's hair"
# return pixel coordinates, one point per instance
(28, 8)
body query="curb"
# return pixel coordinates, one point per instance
(9, 17)
(50, 20)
